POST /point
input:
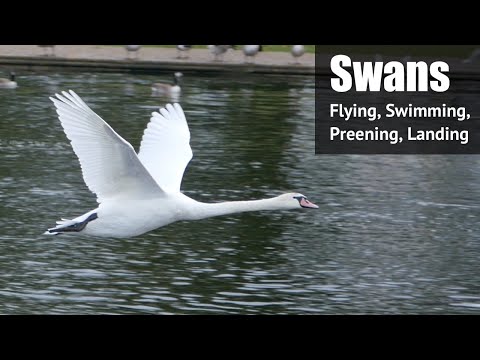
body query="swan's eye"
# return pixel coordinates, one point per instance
(299, 198)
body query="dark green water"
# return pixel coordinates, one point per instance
(393, 235)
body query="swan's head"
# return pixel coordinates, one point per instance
(296, 200)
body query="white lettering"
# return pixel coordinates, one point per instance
(336, 66)
(368, 76)
(395, 81)
(443, 82)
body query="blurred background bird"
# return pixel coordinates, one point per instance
(219, 51)
(250, 51)
(297, 51)
(132, 49)
(183, 49)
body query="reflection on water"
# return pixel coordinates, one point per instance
(394, 234)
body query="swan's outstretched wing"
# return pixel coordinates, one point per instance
(109, 164)
(165, 148)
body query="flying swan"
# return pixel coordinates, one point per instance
(140, 192)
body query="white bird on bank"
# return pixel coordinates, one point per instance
(8, 83)
(132, 49)
(140, 192)
(183, 49)
(297, 51)
(219, 51)
(250, 51)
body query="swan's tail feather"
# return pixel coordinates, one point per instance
(50, 233)
(62, 221)
(75, 225)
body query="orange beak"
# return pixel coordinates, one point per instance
(307, 204)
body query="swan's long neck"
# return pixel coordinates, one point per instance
(201, 210)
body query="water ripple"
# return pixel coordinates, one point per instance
(394, 234)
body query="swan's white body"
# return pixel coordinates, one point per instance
(139, 193)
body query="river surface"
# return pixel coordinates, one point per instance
(395, 234)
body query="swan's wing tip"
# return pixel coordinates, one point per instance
(60, 97)
(170, 106)
(64, 93)
(178, 108)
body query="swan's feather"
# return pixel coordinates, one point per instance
(109, 164)
(165, 148)
(77, 224)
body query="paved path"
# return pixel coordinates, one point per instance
(152, 58)
(155, 59)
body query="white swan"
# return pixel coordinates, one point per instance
(139, 193)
